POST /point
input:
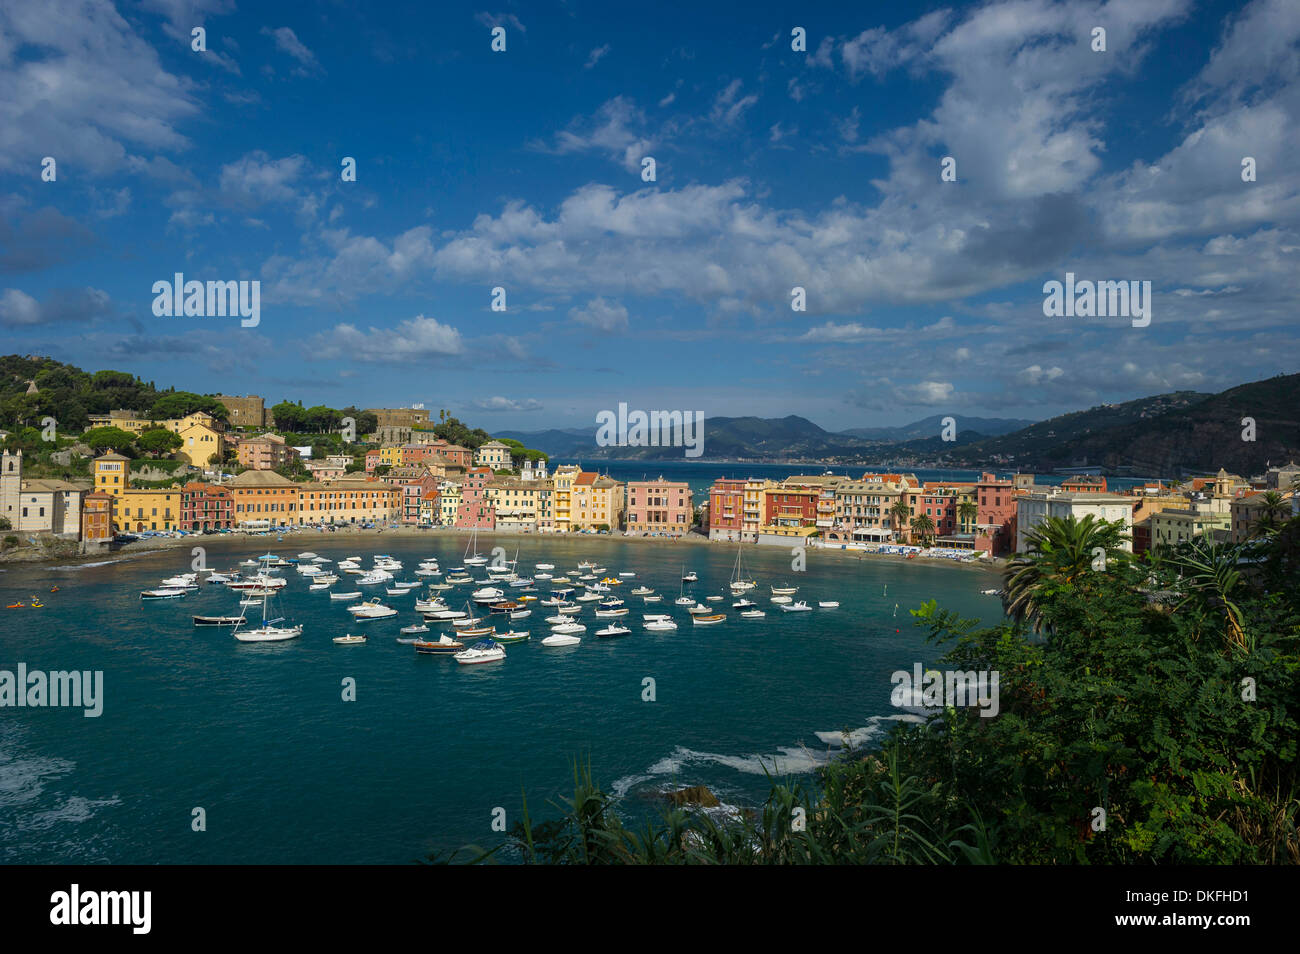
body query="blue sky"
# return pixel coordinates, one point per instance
(775, 168)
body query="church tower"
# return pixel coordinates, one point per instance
(11, 485)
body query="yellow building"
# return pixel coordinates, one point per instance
(139, 510)
(449, 501)
(562, 496)
(596, 503)
(515, 503)
(202, 438)
(392, 456)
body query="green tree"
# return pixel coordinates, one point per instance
(923, 527)
(175, 404)
(157, 441)
(109, 438)
(1210, 581)
(1061, 551)
(901, 513)
(967, 512)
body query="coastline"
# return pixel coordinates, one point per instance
(224, 541)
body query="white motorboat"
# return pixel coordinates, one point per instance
(691, 577)
(214, 577)
(168, 593)
(829, 604)
(780, 599)
(319, 586)
(589, 598)
(626, 573)
(349, 640)
(354, 595)
(487, 594)
(653, 599)
(699, 609)
(661, 626)
(372, 609)
(308, 555)
(484, 651)
(373, 578)
(430, 606)
(557, 620)
(252, 601)
(441, 587)
(520, 614)
(545, 566)
(784, 590)
(569, 609)
(568, 629)
(612, 630)
(715, 599)
(753, 614)
(800, 607)
(641, 591)
(309, 569)
(445, 615)
(560, 639)
(325, 579)
(685, 601)
(188, 581)
(417, 628)
(743, 604)
(612, 613)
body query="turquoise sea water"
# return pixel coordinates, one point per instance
(287, 772)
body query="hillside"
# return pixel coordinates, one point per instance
(1167, 434)
(933, 425)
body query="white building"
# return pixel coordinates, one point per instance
(493, 454)
(38, 506)
(1033, 509)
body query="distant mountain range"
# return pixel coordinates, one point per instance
(1162, 435)
(757, 438)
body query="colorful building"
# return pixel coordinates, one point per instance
(264, 498)
(659, 506)
(206, 507)
(475, 510)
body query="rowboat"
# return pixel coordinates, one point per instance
(218, 620)
(165, 594)
(349, 640)
(708, 620)
(354, 595)
(511, 637)
(829, 604)
(442, 646)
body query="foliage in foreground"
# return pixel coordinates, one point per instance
(1155, 723)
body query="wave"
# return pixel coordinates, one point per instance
(87, 566)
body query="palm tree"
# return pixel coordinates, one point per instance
(923, 527)
(1061, 551)
(1209, 576)
(1272, 508)
(901, 512)
(967, 513)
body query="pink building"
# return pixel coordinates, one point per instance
(476, 510)
(659, 506)
(995, 527)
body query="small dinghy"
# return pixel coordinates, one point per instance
(800, 607)
(349, 640)
(661, 625)
(511, 637)
(829, 604)
(354, 595)
(164, 594)
(413, 630)
(708, 620)
(753, 614)
(521, 614)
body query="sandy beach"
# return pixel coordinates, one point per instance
(299, 539)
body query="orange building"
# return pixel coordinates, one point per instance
(264, 499)
(97, 516)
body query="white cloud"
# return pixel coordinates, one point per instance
(498, 403)
(416, 339)
(602, 315)
(597, 55)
